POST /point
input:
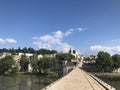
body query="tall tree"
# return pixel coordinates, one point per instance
(24, 63)
(104, 61)
(47, 66)
(31, 50)
(34, 63)
(6, 64)
(46, 51)
(116, 61)
(65, 56)
(25, 50)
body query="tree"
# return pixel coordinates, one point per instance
(65, 56)
(45, 51)
(53, 52)
(87, 59)
(25, 50)
(24, 63)
(104, 61)
(6, 64)
(12, 51)
(116, 61)
(31, 50)
(34, 62)
(46, 66)
(5, 50)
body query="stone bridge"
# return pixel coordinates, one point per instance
(78, 79)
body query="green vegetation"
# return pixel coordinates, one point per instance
(65, 56)
(47, 66)
(104, 61)
(24, 63)
(111, 78)
(6, 64)
(45, 51)
(116, 61)
(42, 66)
(28, 50)
(108, 63)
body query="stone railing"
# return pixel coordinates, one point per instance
(101, 82)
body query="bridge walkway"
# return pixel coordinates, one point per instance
(77, 79)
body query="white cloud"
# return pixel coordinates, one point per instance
(111, 50)
(81, 29)
(67, 33)
(8, 40)
(54, 40)
(2, 41)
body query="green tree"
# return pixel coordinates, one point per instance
(25, 50)
(116, 61)
(24, 63)
(45, 51)
(12, 51)
(6, 64)
(65, 56)
(53, 52)
(31, 50)
(34, 62)
(47, 66)
(104, 61)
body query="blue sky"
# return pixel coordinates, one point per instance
(85, 25)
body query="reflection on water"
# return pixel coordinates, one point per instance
(23, 82)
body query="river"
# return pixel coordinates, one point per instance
(24, 82)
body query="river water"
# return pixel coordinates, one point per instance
(23, 82)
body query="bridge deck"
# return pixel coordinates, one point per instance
(76, 80)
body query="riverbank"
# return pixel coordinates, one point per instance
(111, 78)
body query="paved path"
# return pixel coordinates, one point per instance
(76, 80)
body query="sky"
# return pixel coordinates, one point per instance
(88, 26)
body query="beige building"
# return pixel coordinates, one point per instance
(74, 53)
(49, 56)
(2, 55)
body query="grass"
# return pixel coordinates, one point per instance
(111, 78)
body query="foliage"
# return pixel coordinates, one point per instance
(28, 50)
(112, 79)
(14, 70)
(65, 56)
(45, 51)
(87, 59)
(33, 62)
(6, 64)
(116, 61)
(104, 61)
(47, 65)
(34, 65)
(24, 63)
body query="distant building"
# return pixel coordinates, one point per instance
(27, 54)
(40, 56)
(74, 53)
(93, 57)
(2, 55)
(49, 56)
